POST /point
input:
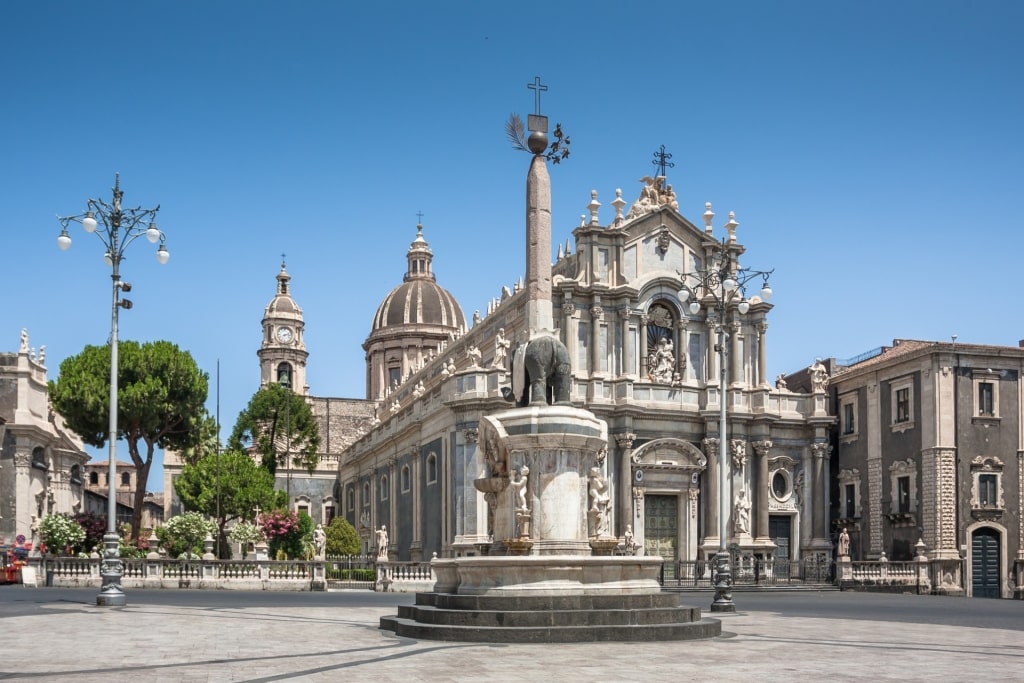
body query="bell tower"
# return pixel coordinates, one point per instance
(283, 352)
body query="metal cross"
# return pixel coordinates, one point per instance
(538, 89)
(419, 216)
(661, 160)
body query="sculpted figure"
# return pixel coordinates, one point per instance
(501, 346)
(844, 544)
(819, 377)
(519, 487)
(319, 542)
(742, 512)
(382, 543)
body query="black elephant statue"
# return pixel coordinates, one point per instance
(541, 373)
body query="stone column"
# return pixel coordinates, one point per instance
(736, 377)
(568, 333)
(644, 370)
(710, 445)
(625, 443)
(762, 490)
(762, 354)
(627, 347)
(538, 245)
(597, 314)
(712, 377)
(392, 505)
(415, 467)
(819, 488)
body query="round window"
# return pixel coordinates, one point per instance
(780, 484)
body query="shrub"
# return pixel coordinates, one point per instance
(61, 533)
(185, 533)
(245, 533)
(342, 538)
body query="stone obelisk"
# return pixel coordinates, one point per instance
(538, 230)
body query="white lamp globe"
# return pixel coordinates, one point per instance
(89, 223)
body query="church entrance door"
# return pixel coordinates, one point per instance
(985, 563)
(780, 530)
(661, 530)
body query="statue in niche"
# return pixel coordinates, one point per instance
(844, 544)
(501, 347)
(742, 510)
(519, 488)
(382, 543)
(664, 362)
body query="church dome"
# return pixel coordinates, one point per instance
(419, 300)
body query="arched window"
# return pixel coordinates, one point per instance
(94, 479)
(39, 458)
(76, 475)
(351, 495)
(431, 468)
(126, 479)
(366, 494)
(405, 479)
(384, 487)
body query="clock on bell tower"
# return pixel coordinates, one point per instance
(283, 352)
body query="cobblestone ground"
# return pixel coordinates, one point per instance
(69, 641)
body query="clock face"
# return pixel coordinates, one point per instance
(284, 334)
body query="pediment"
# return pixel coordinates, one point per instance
(670, 452)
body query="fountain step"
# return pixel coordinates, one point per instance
(554, 618)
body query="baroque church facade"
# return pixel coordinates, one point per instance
(408, 455)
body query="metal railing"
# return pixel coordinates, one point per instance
(749, 571)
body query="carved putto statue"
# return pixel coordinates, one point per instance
(654, 194)
(519, 488)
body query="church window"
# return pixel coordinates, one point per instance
(76, 474)
(903, 494)
(902, 404)
(351, 496)
(39, 458)
(366, 494)
(405, 479)
(986, 393)
(849, 490)
(384, 487)
(987, 490)
(432, 468)
(849, 501)
(394, 377)
(987, 480)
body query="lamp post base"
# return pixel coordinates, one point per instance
(723, 583)
(111, 571)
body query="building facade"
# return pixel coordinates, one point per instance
(930, 446)
(640, 361)
(41, 461)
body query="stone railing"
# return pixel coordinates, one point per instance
(278, 575)
(275, 575)
(883, 576)
(404, 577)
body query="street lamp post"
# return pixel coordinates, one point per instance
(120, 227)
(720, 288)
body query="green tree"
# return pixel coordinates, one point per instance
(227, 487)
(160, 402)
(277, 423)
(342, 538)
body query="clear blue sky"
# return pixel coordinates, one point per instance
(872, 152)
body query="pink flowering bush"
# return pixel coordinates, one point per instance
(284, 531)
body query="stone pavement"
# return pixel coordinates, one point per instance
(60, 636)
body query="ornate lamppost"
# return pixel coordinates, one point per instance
(719, 288)
(120, 227)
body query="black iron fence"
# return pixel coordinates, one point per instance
(351, 571)
(749, 571)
